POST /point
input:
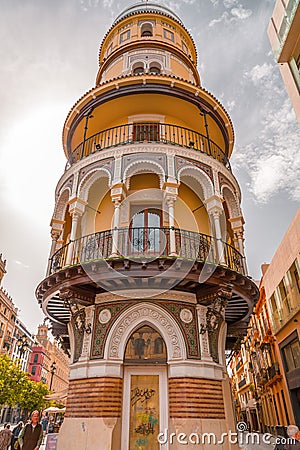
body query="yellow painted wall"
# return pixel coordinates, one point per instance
(67, 227)
(177, 112)
(114, 70)
(103, 221)
(200, 222)
(179, 70)
(144, 181)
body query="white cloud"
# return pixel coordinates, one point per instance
(259, 72)
(273, 160)
(229, 3)
(225, 17)
(235, 14)
(241, 13)
(230, 105)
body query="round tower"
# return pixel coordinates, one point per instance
(147, 282)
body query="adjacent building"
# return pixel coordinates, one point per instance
(270, 390)
(284, 35)
(147, 283)
(48, 362)
(23, 343)
(282, 287)
(8, 315)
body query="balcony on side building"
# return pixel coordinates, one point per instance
(147, 132)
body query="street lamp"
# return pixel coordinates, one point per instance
(52, 371)
(22, 345)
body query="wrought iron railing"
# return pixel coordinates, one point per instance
(163, 133)
(146, 242)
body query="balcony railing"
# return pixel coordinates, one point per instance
(146, 242)
(162, 133)
(273, 370)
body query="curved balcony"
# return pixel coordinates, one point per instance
(148, 243)
(162, 133)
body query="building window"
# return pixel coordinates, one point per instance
(138, 68)
(155, 68)
(146, 29)
(168, 35)
(291, 354)
(146, 132)
(124, 36)
(33, 370)
(184, 48)
(109, 50)
(35, 359)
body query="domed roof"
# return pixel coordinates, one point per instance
(146, 6)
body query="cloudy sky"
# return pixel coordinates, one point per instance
(49, 56)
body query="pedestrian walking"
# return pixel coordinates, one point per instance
(16, 431)
(5, 437)
(31, 435)
(293, 433)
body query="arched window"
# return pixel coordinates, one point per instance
(138, 68)
(146, 29)
(155, 69)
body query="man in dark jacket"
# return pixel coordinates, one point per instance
(31, 436)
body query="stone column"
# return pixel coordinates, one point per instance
(171, 192)
(117, 193)
(55, 236)
(216, 212)
(76, 209)
(237, 226)
(115, 230)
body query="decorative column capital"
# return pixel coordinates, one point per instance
(170, 188)
(237, 223)
(118, 193)
(76, 207)
(214, 205)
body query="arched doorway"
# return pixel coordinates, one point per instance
(145, 402)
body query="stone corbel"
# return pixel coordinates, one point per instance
(215, 316)
(73, 300)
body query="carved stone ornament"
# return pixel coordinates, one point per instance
(104, 316)
(186, 315)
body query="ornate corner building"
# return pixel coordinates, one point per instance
(147, 282)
